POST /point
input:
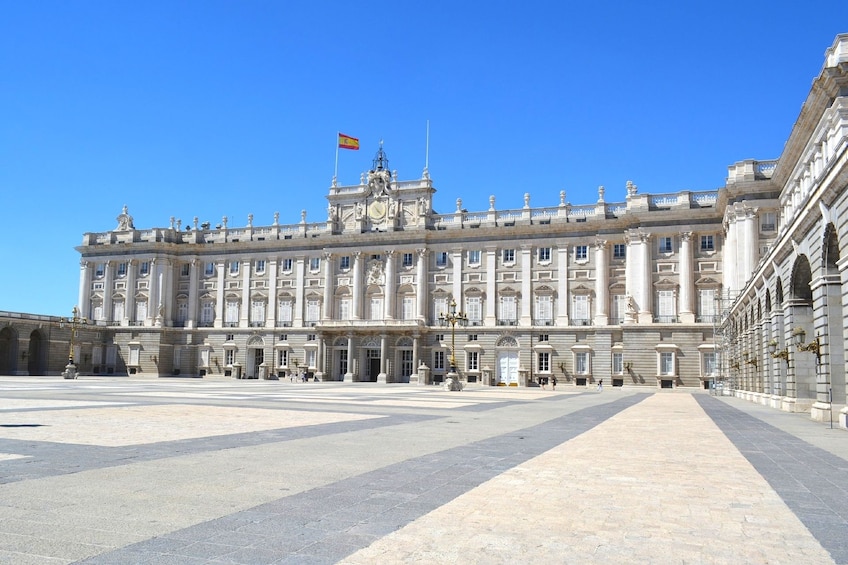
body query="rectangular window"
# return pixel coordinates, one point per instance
(544, 254)
(438, 360)
(406, 260)
(283, 358)
(474, 257)
(619, 250)
(313, 310)
(122, 269)
(234, 267)
(508, 310)
(144, 268)
(209, 269)
(509, 255)
(344, 263)
(580, 309)
(666, 312)
(287, 265)
(665, 245)
(581, 363)
(619, 308)
(581, 252)
(407, 308)
(440, 307)
(257, 312)
(344, 309)
(207, 313)
(474, 309)
(618, 363)
(441, 258)
(768, 221)
(544, 309)
(229, 356)
(472, 360)
(472, 337)
(707, 243)
(706, 305)
(709, 363)
(315, 264)
(232, 313)
(260, 266)
(285, 311)
(376, 307)
(99, 270)
(666, 363)
(185, 270)
(544, 337)
(544, 362)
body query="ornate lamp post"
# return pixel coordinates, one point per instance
(75, 321)
(453, 318)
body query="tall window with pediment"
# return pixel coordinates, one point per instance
(284, 311)
(140, 310)
(666, 310)
(580, 309)
(508, 309)
(376, 308)
(344, 308)
(407, 308)
(231, 313)
(207, 313)
(313, 310)
(440, 306)
(474, 309)
(544, 308)
(257, 312)
(706, 305)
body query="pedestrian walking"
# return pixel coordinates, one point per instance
(553, 382)
(600, 384)
(542, 382)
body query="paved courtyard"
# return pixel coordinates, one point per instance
(133, 471)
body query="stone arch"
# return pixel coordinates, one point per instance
(778, 292)
(800, 280)
(37, 353)
(507, 341)
(768, 301)
(830, 251)
(8, 351)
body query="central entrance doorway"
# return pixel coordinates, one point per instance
(372, 364)
(507, 361)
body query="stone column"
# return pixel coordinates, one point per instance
(356, 302)
(271, 311)
(562, 285)
(456, 268)
(154, 292)
(348, 377)
(601, 284)
(415, 337)
(490, 318)
(526, 313)
(728, 260)
(646, 314)
(244, 315)
(84, 298)
(191, 322)
(381, 377)
(219, 298)
(751, 246)
(328, 286)
(107, 292)
(389, 289)
(299, 292)
(421, 285)
(129, 307)
(687, 271)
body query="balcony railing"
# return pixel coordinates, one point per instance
(666, 320)
(507, 322)
(581, 322)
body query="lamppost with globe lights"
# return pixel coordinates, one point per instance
(75, 321)
(452, 318)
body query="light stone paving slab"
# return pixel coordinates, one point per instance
(7, 404)
(631, 490)
(137, 425)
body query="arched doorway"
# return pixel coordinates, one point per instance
(801, 308)
(8, 351)
(37, 354)
(507, 361)
(255, 357)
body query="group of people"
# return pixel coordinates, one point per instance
(543, 382)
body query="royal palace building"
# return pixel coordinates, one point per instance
(743, 286)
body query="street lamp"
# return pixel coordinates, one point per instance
(75, 321)
(782, 354)
(798, 334)
(453, 318)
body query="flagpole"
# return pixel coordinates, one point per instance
(336, 169)
(427, 153)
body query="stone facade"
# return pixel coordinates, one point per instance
(658, 290)
(784, 333)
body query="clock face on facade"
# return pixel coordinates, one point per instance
(376, 210)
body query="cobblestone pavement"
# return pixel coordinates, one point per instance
(190, 471)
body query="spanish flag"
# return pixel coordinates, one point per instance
(348, 142)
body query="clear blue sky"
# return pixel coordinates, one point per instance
(215, 108)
